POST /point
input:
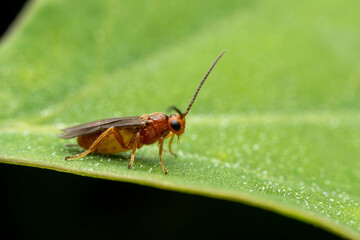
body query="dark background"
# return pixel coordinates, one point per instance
(44, 204)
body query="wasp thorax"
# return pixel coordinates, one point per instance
(176, 123)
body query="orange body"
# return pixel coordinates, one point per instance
(156, 128)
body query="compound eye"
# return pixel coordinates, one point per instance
(175, 125)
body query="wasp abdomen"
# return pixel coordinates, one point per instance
(109, 144)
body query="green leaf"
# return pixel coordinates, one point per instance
(276, 125)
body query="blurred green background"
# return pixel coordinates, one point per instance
(280, 108)
(97, 58)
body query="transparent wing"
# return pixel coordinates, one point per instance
(101, 125)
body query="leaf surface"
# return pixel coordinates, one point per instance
(276, 125)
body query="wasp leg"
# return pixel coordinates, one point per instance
(172, 135)
(119, 138)
(93, 146)
(161, 141)
(137, 139)
(132, 141)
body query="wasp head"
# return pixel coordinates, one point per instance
(176, 122)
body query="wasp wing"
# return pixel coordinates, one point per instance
(98, 126)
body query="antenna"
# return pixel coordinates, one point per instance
(202, 82)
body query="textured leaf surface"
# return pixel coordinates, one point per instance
(276, 125)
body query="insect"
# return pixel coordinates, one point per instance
(116, 135)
